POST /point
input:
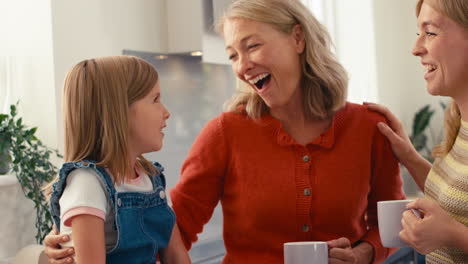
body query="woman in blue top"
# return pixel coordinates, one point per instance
(108, 198)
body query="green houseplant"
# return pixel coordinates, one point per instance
(29, 160)
(419, 136)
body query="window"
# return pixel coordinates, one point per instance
(351, 28)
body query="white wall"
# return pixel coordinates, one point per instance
(88, 28)
(185, 25)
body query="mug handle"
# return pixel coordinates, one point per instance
(417, 213)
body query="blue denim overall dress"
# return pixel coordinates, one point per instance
(143, 221)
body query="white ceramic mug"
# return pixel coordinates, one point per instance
(306, 252)
(389, 216)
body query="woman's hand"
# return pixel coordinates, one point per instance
(395, 133)
(401, 145)
(435, 230)
(52, 248)
(340, 251)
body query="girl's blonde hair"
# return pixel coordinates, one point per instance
(97, 94)
(457, 10)
(324, 80)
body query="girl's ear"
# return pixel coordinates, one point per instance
(298, 36)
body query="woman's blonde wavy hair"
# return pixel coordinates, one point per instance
(325, 81)
(457, 10)
(96, 97)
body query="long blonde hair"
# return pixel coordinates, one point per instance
(324, 80)
(97, 94)
(457, 10)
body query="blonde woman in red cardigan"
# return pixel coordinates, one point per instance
(290, 159)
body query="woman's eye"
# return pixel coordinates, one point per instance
(232, 57)
(253, 46)
(427, 33)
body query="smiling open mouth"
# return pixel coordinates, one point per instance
(430, 68)
(261, 80)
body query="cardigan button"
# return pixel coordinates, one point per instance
(305, 228)
(306, 158)
(162, 195)
(119, 202)
(307, 192)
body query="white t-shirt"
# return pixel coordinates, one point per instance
(85, 194)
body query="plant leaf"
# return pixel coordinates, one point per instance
(421, 120)
(30, 162)
(443, 105)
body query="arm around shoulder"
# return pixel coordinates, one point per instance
(400, 142)
(419, 168)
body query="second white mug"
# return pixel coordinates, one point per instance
(306, 252)
(389, 217)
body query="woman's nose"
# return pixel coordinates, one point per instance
(418, 48)
(244, 64)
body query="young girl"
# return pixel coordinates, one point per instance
(108, 198)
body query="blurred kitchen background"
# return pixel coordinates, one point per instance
(42, 39)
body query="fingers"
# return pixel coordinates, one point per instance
(408, 223)
(422, 204)
(389, 133)
(53, 239)
(68, 260)
(404, 235)
(52, 249)
(341, 255)
(379, 108)
(407, 234)
(423, 207)
(392, 119)
(54, 253)
(341, 242)
(409, 219)
(417, 213)
(340, 251)
(51, 235)
(59, 256)
(336, 261)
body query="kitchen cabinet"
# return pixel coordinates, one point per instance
(184, 25)
(190, 27)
